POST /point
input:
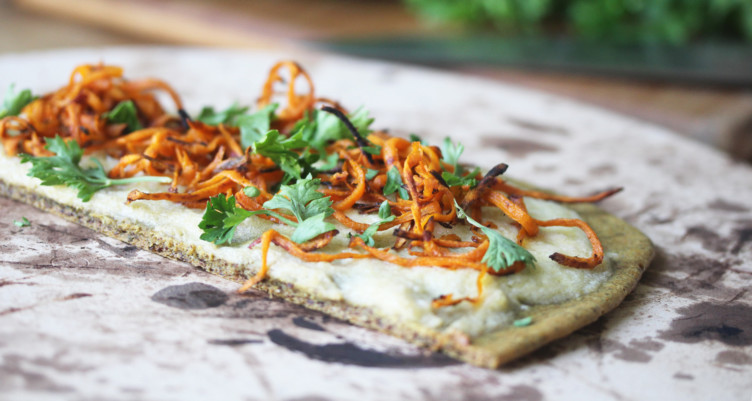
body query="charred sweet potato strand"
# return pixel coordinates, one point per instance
(580, 263)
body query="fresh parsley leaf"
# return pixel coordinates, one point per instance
(370, 173)
(24, 222)
(227, 116)
(306, 125)
(362, 121)
(221, 218)
(451, 154)
(319, 128)
(13, 103)
(302, 199)
(280, 149)
(311, 228)
(68, 150)
(523, 322)
(394, 183)
(327, 127)
(64, 169)
(453, 180)
(254, 126)
(385, 211)
(330, 162)
(308, 205)
(308, 158)
(374, 150)
(124, 113)
(367, 235)
(501, 252)
(385, 216)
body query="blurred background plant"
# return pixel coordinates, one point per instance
(622, 21)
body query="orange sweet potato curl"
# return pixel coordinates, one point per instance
(295, 159)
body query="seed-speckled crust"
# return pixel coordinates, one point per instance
(550, 322)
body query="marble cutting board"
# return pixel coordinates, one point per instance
(83, 316)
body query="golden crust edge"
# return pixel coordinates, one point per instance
(550, 322)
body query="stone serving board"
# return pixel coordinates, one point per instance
(85, 317)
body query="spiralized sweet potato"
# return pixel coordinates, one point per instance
(204, 161)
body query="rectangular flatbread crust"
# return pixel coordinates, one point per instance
(630, 251)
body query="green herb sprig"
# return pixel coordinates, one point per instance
(385, 216)
(281, 150)
(13, 103)
(64, 169)
(310, 208)
(501, 252)
(227, 116)
(451, 154)
(394, 184)
(253, 126)
(329, 127)
(222, 217)
(124, 113)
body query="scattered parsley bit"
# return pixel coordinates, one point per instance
(416, 138)
(385, 216)
(124, 113)
(451, 154)
(227, 116)
(254, 126)
(23, 223)
(64, 169)
(501, 252)
(394, 183)
(370, 173)
(452, 180)
(385, 212)
(13, 104)
(251, 192)
(523, 322)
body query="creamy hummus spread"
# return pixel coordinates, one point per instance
(400, 293)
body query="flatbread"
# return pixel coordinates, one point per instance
(169, 230)
(633, 252)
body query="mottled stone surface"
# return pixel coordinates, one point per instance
(84, 317)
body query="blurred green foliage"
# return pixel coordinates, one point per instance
(625, 21)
